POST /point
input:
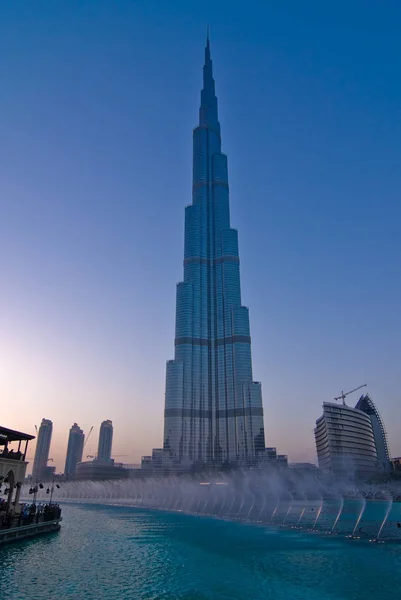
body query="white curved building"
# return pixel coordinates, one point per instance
(345, 440)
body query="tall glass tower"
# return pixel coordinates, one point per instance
(213, 408)
(75, 448)
(105, 442)
(42, 448)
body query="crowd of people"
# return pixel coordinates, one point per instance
(11, 454)
(28, 515)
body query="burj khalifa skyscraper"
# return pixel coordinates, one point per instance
(213, 408)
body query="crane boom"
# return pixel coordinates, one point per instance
(343, 396)
(88, 436)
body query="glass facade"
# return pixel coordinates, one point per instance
(105, 442)
(74, 449)
(366, 405)
(213, 408)
(42, 448)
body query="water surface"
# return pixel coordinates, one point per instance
(106, 552)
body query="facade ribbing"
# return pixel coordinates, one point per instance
(213, 408)
(344, 440)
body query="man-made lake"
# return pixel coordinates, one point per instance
(106, 552)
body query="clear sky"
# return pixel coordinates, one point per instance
(97, 104)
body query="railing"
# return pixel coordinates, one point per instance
(12, 456)
(10, 520)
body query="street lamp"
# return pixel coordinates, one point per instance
(51, 490)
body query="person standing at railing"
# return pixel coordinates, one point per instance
(10, 517)
(32, 513)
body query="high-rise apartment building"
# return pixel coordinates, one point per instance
(213, 408)
(366, 405)
(74, 449)
(345, 441)
(42, 448)
(105, 442)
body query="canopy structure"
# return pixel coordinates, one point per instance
(10, 435)
(13, 464)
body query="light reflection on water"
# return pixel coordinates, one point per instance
(127, 553)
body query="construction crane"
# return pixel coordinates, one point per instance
(343, 396)
(88, 436)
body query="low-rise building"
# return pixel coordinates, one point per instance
(48, 473)
(282, 460)
(270, 458)
(303, 466)
(100, 470)
(396, 462)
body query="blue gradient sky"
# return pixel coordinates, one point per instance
(97, 104)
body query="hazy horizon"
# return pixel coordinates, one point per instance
(98, 104)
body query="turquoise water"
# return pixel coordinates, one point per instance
(127, 553)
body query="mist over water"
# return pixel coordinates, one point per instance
(289, 498)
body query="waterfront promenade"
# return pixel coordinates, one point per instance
(29, 514)
(19, 520)
(30, 521)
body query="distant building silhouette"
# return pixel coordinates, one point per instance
(345, 441)
(366, 405)
(105, 442)
(100, 471)
(74, 450)
(42, 449)
(270, 458)
(48, 473)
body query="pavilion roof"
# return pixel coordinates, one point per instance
(10, 435)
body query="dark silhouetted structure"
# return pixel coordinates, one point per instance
(42, 449)
(74, 450)
(105, 442)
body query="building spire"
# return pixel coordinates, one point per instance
(207, 49)
(208, 109)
